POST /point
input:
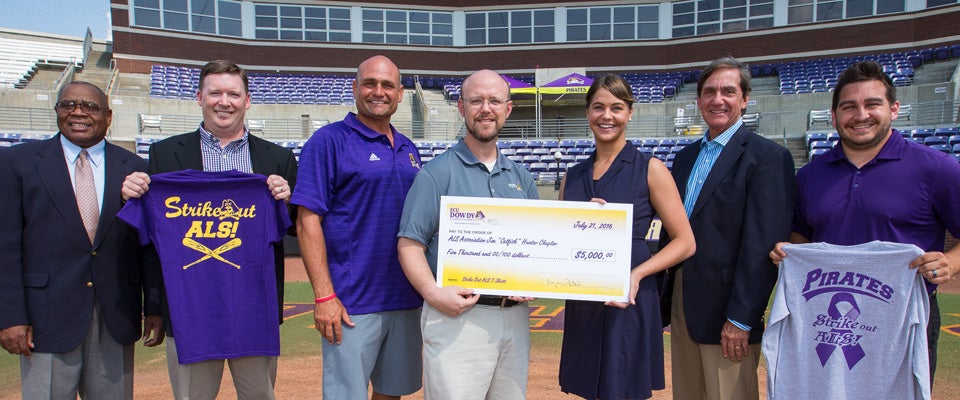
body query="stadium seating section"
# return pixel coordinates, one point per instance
(945, 139)
(20, 59)
(172, 82)
(808, 76)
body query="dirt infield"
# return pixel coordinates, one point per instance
(301, 376)
(300, 373)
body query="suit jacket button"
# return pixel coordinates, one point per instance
(93, 253)
(89, 284)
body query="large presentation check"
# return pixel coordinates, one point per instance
(537, 248)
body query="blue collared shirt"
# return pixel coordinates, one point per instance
(709, 152)
(97, 154)
(235, 155)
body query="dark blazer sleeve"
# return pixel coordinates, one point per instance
(13, 307)
(769, 202)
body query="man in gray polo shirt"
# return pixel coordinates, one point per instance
(474, 346)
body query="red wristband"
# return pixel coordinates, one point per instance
(326, 298)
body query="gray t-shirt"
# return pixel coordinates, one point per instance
(848, 322)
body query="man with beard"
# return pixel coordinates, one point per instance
(876, 185)
(474, 346)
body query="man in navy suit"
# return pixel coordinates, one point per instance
(222, 143)
(738, 189)
(72, 286)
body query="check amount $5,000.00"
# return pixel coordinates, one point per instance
(593, 255)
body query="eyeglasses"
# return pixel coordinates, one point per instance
(477, 102)
(67, 106)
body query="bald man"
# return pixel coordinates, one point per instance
(475, 346)
(354, 176)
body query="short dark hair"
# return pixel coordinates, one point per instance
(614, 84)
(224, 67)
(726, 63)
(103, 96)
(861, 72)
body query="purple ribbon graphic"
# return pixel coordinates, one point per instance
(853, 353)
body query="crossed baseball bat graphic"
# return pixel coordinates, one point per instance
(215, 253)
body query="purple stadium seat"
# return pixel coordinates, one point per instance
(943, 147)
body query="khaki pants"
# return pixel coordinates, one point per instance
(699, 370)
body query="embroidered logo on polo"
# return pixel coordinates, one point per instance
(413, 161)
(373, 157)
(839, 326)
(210, 223)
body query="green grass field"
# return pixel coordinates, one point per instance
(298, 338)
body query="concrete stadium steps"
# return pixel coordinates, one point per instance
(44, 78)
(133, 85)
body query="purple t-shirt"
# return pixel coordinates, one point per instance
(214, 232)
(909, 193)
(352, 177)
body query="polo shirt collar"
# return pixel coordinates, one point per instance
(467, 157)
(891, 150)
(353, 122)
(724, 137)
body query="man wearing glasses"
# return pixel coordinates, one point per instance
(474, 346)
(71, 278)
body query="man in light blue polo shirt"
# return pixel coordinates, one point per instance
(475, 346)
(355, 174)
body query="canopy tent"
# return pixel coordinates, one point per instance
(567, 90)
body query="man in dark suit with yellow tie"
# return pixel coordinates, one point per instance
(72, 285)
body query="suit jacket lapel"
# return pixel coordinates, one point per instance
(728, 157)
(114, 165)
(189, 155)
(52, 169)
(259, 155)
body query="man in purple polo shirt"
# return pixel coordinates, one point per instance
(876, 185)
(354, 176)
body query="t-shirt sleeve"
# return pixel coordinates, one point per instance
(316, 174)
(421, 209)
(134, 213)
(282, 218)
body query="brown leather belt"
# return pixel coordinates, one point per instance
(499, 301)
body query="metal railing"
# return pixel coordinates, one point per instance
(23, 119)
